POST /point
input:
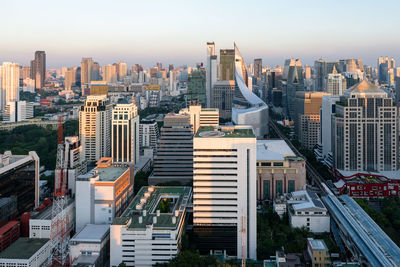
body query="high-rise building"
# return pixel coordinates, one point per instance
(211, 72)
(224, 186)
(90, 71)
(247, 109)
(121, 70)
(69, 77)
(148, 134)
(222, 98)
(95, 127)
(25, 73)
(257, 68)
(335, 83)
(38, 69)
(9, 83)
(110, 73)
(125, 133)
(16, 111)
(307, 119)
(321, 69)
(366, 130)
(292, 81)
(384, 64)
(196, 87)
(74, 160)
(174, 158)
(201, 116)
(226, 64)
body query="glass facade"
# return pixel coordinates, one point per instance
(266, 189)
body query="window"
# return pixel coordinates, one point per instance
(278, 164)
(265, 164)
(266, 189)
(291, 186)
(279, 187)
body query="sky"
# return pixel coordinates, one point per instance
(176, 31)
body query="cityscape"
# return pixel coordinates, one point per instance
(260, 134)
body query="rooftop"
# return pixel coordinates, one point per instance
(317, 244)
(225, 131)
(106, 172)
(148, 199)
(305, 199)
(23, 248)
(92, 233)
(270, 150)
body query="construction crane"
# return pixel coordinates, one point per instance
(59, 235)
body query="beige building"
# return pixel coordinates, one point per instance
(9, 83)
(279, 170)
(201, 116)
(69, 78)
(95, 127)
(307, 119)
(318, 252)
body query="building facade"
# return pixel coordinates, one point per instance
(125, 133)
(95, 127)
(38, 69)
(196, 87)
(148, 134)
(211, 72)
(366, 130)
(9, 83)
(222, 98)
(201, 116)
(279, 170)
(224, 186)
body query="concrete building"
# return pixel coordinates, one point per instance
(335, 83)
(247, 109)
(292, 81)
(148, 134)
(153, 96)
(26, 252)
(201, 116)
(324, 148)
(318, 252)
(196, 87)
(151, 228)
(41, 222)
(224, 186)
(98, 88)
(38, 69)
(279, 170)
(69, 78)
(95, 127)
(307, 119)
(74, 161)
(89, 72)
(211, 72)
(103, 193)
(125, 133)
(174, 158)
(306, 209)
(90, 246)
(110, 73)
(366, 127)
(16, 111)
(9, 83)
(19, 176)
(222, 98)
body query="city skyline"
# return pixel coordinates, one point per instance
(133, 31)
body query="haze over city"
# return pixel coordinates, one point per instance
(175, 31)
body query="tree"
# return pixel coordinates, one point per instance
(141, 179)
(190, 259)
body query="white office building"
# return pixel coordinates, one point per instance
(103, 193)
(95, 127)
(211, 71)
(16, 111)
(74, 161)
(125, 133)
(26, 252)
(335, 83)
(151, 228)
(9, 83)
(224, 186)
(201, 116)
(307, 210)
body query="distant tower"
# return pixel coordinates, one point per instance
(9, 83)
(38, 69)
(211, 71)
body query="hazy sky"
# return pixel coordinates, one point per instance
(176, 31)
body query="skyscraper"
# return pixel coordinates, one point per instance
(248, 109)
(365, 130)
(174, 158)
(224, 195)
(125, 133)
(201, 116)
(90, 71)
(226, 64)
(121, 70)
(257, 68)
(70, 74)
(292, 81)
(211, 72)
(95, 127)
(38, 69)
(222, 97)
(9, 83)
(110, 73)
(196, 87)
(335, 83)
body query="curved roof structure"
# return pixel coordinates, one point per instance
(364, 88)
(247, 108)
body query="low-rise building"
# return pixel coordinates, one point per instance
(26, 252)
(103, 193)
(279, 170)
(9, 233)
(318, 252)
(150, 229)
(40, 222)
(306, 209)
(90, 246)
